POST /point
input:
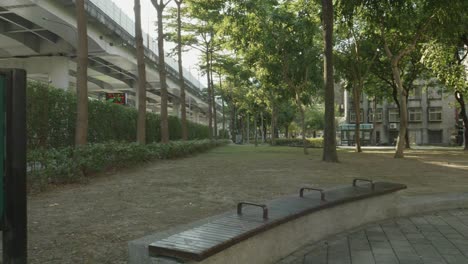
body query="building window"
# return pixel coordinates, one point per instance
(415, 93)
(415, 114)
(378, 115)
(352, 116)
(435, 136)
(435, 114)
(434, 93)
(393, 115)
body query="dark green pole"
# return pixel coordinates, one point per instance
(3, 142)
(15, 210)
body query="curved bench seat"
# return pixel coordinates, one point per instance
(288, 218)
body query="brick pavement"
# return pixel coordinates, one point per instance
(436, 238)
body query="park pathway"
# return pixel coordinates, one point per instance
(437, 238)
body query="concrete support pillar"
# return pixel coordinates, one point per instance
(176, 108)
(58, 72)
(135, 89)
(195, 115)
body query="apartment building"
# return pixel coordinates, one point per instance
(432, 119)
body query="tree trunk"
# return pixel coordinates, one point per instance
(183, 114)
(141, 90)
(286, 131)
(213, 95)
(262, 130)
(461, 102)
(247, 121)
(242, 128)
(233, 124)
(303, 125)
(357, 111)
(81, 129)
(162, 73)
(403, 111)
(407, 139)
(329, 150)
(210, 97)
(273, 126)
(256, 130)
(224, 118)
(222, 102)
(374, 121)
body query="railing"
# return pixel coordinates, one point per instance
(124, 21)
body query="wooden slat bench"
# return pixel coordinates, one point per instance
(199, 243)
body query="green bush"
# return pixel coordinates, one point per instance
(51, 118)
(69, 164)
(297, 142)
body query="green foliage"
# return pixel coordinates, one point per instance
(287, 112)
(69, 164)
(51, 116)
(440, 59)
(314, 117)
(297, 142)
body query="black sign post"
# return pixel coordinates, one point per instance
(14, 224)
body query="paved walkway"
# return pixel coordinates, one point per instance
(437, 238)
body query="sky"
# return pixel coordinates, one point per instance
(148, 20)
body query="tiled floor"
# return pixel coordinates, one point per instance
(437, 238)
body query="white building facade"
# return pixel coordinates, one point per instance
(432, 119)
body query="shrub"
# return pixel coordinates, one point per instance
(69, 164)
(297, 142)
(51, 117)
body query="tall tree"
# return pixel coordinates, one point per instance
(160, 5)
(181, 71)
(380, 83)
(354, 56)
(461, 101)
(446, 61)
(141, 90)
(300, 59)
(213, 95)
(207, 41)
(329, 150)
(402, 26)
(205, 14)
(446, 55)
(81, 129)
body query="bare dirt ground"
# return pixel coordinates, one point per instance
(92, 223)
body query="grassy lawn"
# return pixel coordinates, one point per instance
(92, 223)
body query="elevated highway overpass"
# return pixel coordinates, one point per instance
(41, 37)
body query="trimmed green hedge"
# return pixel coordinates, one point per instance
(69, 164)
(51, 116)
(297, 142)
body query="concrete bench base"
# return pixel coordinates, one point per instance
(274, 244)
